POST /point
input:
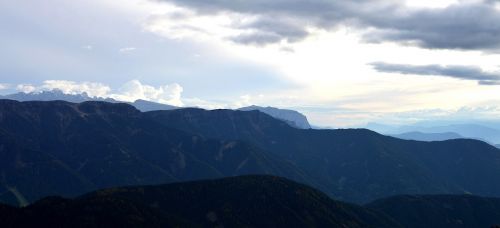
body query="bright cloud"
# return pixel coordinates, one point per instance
(134, 90)
(93, 89)
(26, 88)
(130, 91)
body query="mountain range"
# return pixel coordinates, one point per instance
(293, 118)
(488, 131)
(428, 137)
(67, 149)
(61, 148)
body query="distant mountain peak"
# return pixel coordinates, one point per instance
(54, 94)
(291, 117)
(146, 106)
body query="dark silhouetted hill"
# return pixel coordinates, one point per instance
(247, 201)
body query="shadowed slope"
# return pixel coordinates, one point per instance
(61, 148)
(441, 210)
(246, 201)
(356, 165)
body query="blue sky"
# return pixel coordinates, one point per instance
(343, 63)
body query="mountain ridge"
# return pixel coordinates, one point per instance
(244, 201)
(292, 117)
(428, 137)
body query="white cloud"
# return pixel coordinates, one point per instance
(181, 23)
(130, 91)
(127, 49)
(134, 90)
(26, 88)
(245, 100)
(200, 103)
(93, 89)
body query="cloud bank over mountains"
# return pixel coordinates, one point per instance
(171, 94)
(130, 91)
(69, 87)
(464, 25)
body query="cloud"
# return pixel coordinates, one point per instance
(245, 100)
(201, 103)
(458, 72)
(256, 22)
(127, 49)
(267, 30)
(130, 91)
(26, 88)
(4, 86)
(134, 90)
(93, 89)
(465, 25)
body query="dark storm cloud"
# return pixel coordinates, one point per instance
(466, 26)
(461, 26)
(458, 72)
(284, 20)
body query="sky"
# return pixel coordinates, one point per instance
(343, 63)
